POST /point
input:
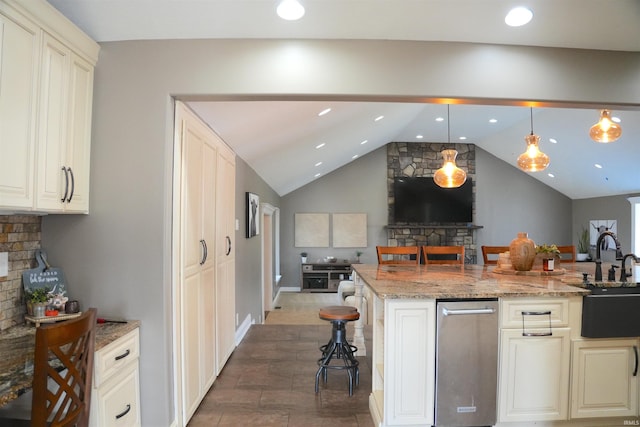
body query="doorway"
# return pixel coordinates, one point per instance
(270, 223)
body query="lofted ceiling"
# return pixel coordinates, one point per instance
(280, 142)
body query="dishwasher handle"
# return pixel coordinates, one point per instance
(462, 311)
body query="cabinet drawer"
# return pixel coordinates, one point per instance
(113, 357)
(117, 402)
(512, 309)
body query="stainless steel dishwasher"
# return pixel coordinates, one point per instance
(466, 362)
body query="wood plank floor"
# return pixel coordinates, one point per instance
(269, 381)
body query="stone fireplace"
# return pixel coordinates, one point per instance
(423, 159)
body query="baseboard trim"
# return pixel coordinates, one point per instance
(244, 328)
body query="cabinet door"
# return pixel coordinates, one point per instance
(196, 291)
(604, 378)
(409, 364)
(225, 255)
(19, 53)
(534, 376)
(52, 118)
(78, 148)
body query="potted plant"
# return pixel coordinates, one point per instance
(303, 257)
(583, 245)
(37, 301)
(358, 254)
(547, 255)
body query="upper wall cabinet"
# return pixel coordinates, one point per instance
(46, 94)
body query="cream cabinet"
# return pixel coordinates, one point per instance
(225, 255)
(46, 79)
(115, 400)
(205, 294)
(604, 378)
(64, 132)
(19, 64)
(535, 343)
(403, 359)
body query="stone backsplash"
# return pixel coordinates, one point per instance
(423, 159)
(20, 236)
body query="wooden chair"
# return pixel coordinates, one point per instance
(567, 253)
(62, 373)
(492, 250)
(440, 252)
(398, 254)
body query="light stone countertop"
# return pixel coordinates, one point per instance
(470, 281)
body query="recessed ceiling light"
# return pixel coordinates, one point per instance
(419, 136)
(462, 138)
(553, 140)
(364, 142)
(440, 119)
(290, 10)
(616, 119)
(518, 17)
(323, 112)
(317, 175)
(599, 166)
(318, 164)
(550, 175)
(322, 144)
(355, 156)
(378, 118)
(493, 120)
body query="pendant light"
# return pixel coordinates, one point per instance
(449, 175)
(606, 130)
(533, 160)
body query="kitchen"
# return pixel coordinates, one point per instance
(121, 252)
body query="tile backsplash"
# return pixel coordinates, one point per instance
(20, 236)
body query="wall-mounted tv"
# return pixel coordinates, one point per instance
(418, 200)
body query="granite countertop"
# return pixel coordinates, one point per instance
(470, 281)
(16, 354)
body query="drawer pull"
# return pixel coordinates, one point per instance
(123, 355)
(123, 413)
(526, 333)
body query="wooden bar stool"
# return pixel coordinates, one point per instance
(338, 348)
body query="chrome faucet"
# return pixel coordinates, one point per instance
(623, 272)
(619, 256)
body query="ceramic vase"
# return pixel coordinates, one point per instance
(523, 252)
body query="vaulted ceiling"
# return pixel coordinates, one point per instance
(280, 144)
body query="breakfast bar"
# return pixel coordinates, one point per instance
(543, 370)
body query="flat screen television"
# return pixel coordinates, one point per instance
(418, 200)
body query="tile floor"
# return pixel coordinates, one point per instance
(269, 381)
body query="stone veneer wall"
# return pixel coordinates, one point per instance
(423, 159)
(20, 237)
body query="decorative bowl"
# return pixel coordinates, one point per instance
(330, 259)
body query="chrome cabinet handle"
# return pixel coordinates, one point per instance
(449, 312)
(73, 185)
(123, 413)
(228, 246)
(66, 184)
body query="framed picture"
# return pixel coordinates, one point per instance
(253, 207)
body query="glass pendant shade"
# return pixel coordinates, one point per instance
(606, 130)
(449, 175)
(533, 160)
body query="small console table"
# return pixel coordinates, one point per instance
(324, 276)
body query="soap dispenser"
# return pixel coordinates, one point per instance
(611, 276)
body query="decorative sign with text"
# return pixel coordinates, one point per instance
(45, 276)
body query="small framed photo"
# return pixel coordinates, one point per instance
(253, 208)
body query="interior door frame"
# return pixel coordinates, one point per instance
(272, 214)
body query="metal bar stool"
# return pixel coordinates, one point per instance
(338, 348)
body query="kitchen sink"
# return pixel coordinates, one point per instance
(612, 310)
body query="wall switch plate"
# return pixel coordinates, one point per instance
(4, 264)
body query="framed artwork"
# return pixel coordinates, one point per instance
(253, 207)
(349, 230)
(597, 227)
(311, 230)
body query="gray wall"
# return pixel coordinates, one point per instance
(119, 257)
(507, 201)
